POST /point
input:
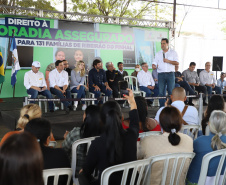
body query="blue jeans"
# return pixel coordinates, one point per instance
(60, 95)
(98, 93)
(80, 93)
(34, 94)
(150, 92)
(163, 80)
(210, 89)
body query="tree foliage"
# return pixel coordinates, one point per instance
(117, 8)
(39, 4)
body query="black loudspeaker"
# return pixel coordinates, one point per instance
(217, 64)
(199, 70)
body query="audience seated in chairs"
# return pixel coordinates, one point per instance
(27, 113)
(115, 145)
(171, 141)
(53, 157)
(216, 140)
(216, 103)
(145, 123)
(21, 161)
(189, 113)
(91, 127)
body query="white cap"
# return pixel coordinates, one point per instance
(36, 64)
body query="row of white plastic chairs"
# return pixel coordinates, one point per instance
(143, 167)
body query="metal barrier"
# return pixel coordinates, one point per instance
(105, 98)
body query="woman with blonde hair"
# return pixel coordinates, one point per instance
(77, 83)
(27, 113)
(216, 140)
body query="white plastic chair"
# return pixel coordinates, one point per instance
(191, 130)
(56, 173)
(139, 168)
(144, 134)
(40, 103)
(167, 158)
(52, 144)
(74, 154)
(130, 80)
(142, 168)
(205, 164)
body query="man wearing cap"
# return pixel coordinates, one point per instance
(35, 83)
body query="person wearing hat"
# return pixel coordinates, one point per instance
(34, 82)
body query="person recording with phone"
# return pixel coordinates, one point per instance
(147, 83)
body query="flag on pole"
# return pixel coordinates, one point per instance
(2, 75)
(15, 62)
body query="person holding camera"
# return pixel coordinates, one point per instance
(34, 82)
(147, 83)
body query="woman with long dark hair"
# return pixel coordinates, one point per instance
(171, 141)
(216, 103)
(115, 145)
(91, 127)
(145, 123)
(21, 161)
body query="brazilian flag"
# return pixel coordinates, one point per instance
(2, 75)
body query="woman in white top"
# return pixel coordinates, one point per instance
(77, 83)
(171, 141)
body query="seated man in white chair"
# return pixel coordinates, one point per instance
(35, 83)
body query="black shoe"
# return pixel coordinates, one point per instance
(67, 110)
(205, 104)
(70, 107)
(150, 103)
(51, 111)
(190, 103)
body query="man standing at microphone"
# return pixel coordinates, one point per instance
(165, 61)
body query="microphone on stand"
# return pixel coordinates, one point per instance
(163, 55)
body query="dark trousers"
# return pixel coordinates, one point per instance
(114, 88)
(98, 93)
(34, 94)
(60, 95)
(199, 88)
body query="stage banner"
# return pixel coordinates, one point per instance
(75, 41)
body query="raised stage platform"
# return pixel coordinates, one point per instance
(10, 111)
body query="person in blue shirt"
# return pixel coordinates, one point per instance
(203, 145)
(98, 81)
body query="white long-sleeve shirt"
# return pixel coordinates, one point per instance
(207, 77)
(34, 79)
(59, 79)
(164, 67)
(145, 78)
